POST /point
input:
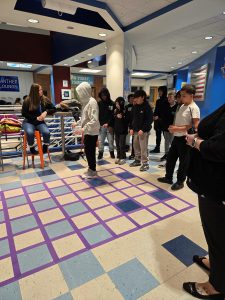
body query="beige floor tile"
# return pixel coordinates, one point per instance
(67, 198)
(143, 217)
(112, 178)
(67, 245)
(1, 206)
(117, 170)
(101, 288)
(71, 180)
(96, 202)
(132, 192)
(3, 231)
(84, 220)
(106, 188)
(6, 269)
(145, 200)
(135, 180)
(87, 193)
(115, 197)
(19, 211)
(28, 239)
(161, 210)
(104, 173)
(177, 204)
(13, 193)
(9, 179)
(120, 225)
(79, 186)
(39, 196)
(55, 183)
(36, 287)
(51, 216)
(108, 212)
(27, 182)
(121, 184)
(147, 187)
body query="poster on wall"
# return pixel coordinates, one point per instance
(9, 84)
(76, 79)
(198, 78)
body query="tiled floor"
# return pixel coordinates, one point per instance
(120, 236)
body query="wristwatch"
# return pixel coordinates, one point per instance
(194, 142)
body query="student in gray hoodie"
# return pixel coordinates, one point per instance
(90, 126)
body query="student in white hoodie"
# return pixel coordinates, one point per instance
(90, 126)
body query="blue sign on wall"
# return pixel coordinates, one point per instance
(76, 79)
(9, 84)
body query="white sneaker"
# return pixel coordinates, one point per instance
(122, 162)
(117, 161)
(89, 174)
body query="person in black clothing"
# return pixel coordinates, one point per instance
(128, 109)
(106, 118)
(121, 130)
(206, 177)
(160, 109)
(142, 118)
(35, 109)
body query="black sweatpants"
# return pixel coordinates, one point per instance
(90, 150)
(212, 215)
(120, 145)
(158, 134)
(179, 149)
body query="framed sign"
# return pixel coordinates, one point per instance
(198, 78)
(9, 84)
(76, 79)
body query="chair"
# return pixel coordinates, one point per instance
(40, 151)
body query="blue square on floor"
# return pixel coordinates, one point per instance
(10, 186)
(34, 258)
(60, 190)
(35, 188)
(11, 202)
(50, 178)
(58, 229)
(102, 162)
(96, 182)
(75, 208)
(66, 296)
(184, 249)
(4, 247)
(23, 224)
(96, 234)
(133, 280)
(44, 204)
(160, 195)
(2, 217)
(125, 175)
(45, 173)
(76, 167)
(28, 176)
(10, 291)
(80, 269)
(128, 205)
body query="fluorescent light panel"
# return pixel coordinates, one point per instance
(89, 71)
(140, 74)
(16, 65)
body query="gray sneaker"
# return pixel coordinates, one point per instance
(135, 163)
(89, 174)
(122, 161)
(144, 167)
(117, 161)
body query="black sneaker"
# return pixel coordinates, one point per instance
(100, 155)
(112, 155)
(177, 186)
(156, 150)
(164, 157)
(131, 157)
(45, 148)
(144, 167)
(135, 163)
(33, 151)
(165, 180)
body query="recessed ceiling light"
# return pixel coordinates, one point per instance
(89, 71)
(208, 37)
(70, 27)
(102, 34)
(89, 54)
(194, 52)
(76, 59)
(65, 64)
(82, 57)
(105, 47)
(140, 74)
(172, 67)
(89, 62)
(33, 21)
(179, 63)
(223, 12)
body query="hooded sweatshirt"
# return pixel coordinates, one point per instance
(90, 114)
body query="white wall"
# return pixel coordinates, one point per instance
(25, 81)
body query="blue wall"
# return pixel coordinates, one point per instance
(215, 88)
(181, 77)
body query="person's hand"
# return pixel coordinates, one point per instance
(140, 132)
(74, 124)
(39, 118)
(105, 125)
(43, 116)
(119, 116)
(110, 129)
(190, 139)
(63, 105)
(155, 118)
(131, 132)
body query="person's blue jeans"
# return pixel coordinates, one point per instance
(30, 128)
(104, 132)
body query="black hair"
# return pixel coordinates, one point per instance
(140, 93)
(104, 91)
(178, 95)
(130, 96)
(121, 102)
(163, 88)
(189, 89)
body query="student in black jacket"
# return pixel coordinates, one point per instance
(106, 118)
(206, 177)
(142, 118)
(128, 109)
(121, 130)
(35, 109)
